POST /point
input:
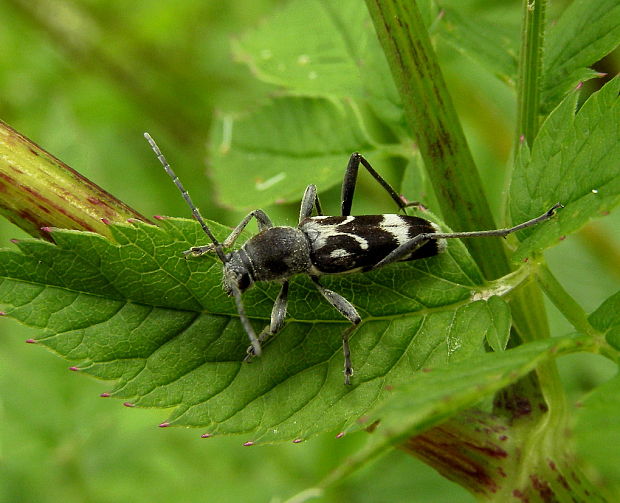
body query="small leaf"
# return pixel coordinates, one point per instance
(585, 33)
(574, 161)
(498, 331)
(606, 319)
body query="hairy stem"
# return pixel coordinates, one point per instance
(568, 306)
(530, 68)
(436, 127)
(37, 191)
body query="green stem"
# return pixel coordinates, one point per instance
(568, 306)
(436, 127)
(530, 68)
(531, 318)
(37, 191)
(432, 118)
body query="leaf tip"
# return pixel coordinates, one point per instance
(105, 221)
(159, 217)
(206, 435)
(14, 241)
(28, 341)
(104, 395)
(165, 424)
(48, 229)
(340, 435)
(129, 404)
(2, 313)
(74, 369)
(248, 444)
(298, 440)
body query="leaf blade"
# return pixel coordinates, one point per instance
(585, 33)
(573, 161)
(168, 346)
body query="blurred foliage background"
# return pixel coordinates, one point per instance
(84, 79)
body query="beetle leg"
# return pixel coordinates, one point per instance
(264, 222)
(278, 316)
(350, 313)
(350, 179)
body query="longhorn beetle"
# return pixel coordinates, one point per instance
(322, 245)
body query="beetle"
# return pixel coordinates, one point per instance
(322, 245)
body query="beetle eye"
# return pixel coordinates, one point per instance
(243, 282)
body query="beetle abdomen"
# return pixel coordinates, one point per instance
(356, 243)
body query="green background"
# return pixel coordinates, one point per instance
(84, 79)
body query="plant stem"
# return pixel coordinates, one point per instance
(484, 454)
(568, 306)
(37, 190)
(436, 127)
(450, 165)
(447, 158)
(530, 68)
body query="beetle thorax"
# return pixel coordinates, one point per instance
(274, 254)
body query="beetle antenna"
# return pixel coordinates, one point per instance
(186, 196)
(502, 232)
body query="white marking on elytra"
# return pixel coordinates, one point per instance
(339, 253)
(442, 244)
(395, 225)
(319, 232)
(271, 181)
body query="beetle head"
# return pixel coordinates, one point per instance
(235, 275)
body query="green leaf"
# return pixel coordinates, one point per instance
(431, 397)
(606, 319)
(488, 42)
(585, 33)
(596, 430)
(341, 60)
(498, 331)
(137, 312)
(295, 141)
(438, 393)
(574, 160)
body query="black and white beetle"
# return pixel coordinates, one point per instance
(322, 245)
